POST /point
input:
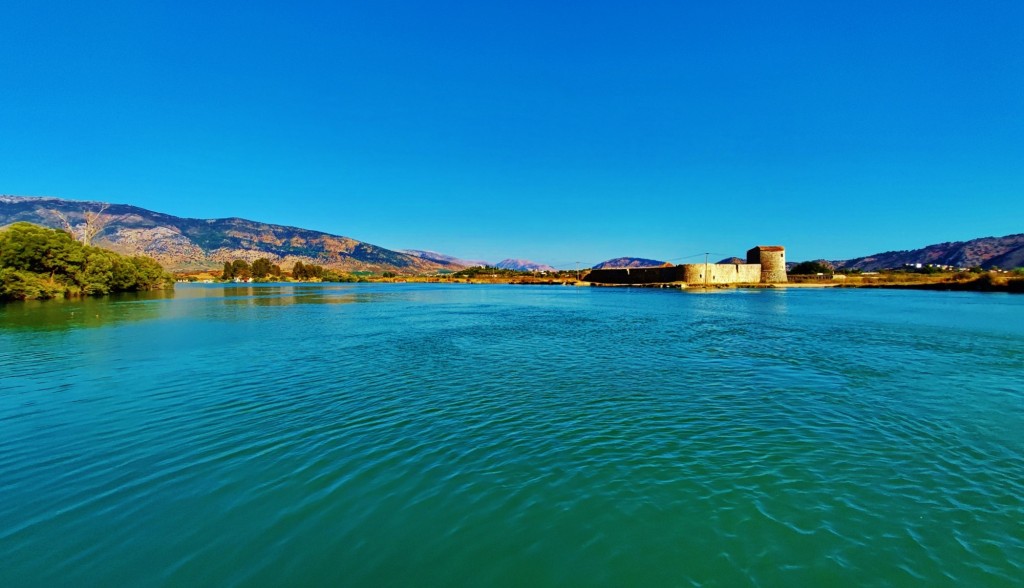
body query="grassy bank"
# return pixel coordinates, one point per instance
(984, 283)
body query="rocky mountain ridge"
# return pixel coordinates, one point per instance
(445, 259)
(183, 244)
(523, 265)
(628, 262)
(986, 252)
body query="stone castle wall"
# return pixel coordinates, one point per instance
(717, 273)
(773, 267)
(766, 264)
(722, 273)
(645, 275)
(773, 263)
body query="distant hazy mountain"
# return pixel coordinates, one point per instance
(443, 259)
(523, 265)
(630, 262)
(1004, 252)
(185, 243)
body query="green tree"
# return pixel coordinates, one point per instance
(811, 268)
(23, 285)
(241, 270)
(229, 271)
(28, 247)
(42, 263)
(151, 274)
(261, 268)
(97, 272)
(298, 271)
(124, 275)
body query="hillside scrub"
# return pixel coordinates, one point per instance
(40, 263)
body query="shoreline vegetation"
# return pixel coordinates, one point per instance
(976, 281)
(38, 263)
(973, 281)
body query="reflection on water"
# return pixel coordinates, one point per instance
(442, 435)
(284, 294)
(138, 306)
(83, 312)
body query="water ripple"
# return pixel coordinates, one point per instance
(509, 436)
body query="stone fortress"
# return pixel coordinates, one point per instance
(766, 264)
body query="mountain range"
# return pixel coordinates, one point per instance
(630, 262)
(986, 252)
(441, 258)
(183, 244)
(523, 265)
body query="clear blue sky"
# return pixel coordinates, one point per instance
(543, 130)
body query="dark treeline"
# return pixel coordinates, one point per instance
(38, 263)
(259, 270)
(488, 271)
(307, 272)
(263, 270)
(497, 272)
(811, 268)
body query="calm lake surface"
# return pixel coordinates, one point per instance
(465, 435)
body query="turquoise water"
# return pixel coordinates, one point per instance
(447, 435)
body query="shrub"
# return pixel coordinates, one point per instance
(811, 268)
(23, 285)
(43, 263)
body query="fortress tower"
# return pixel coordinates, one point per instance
(773, 262)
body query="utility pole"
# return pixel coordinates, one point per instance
(706, 269)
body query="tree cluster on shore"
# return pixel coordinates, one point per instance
(39, 263)
(491, 272)
(262, 270)
(812, 268)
